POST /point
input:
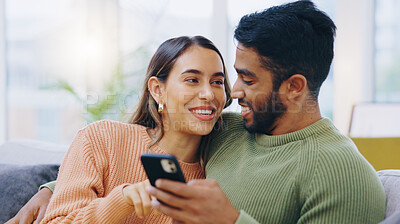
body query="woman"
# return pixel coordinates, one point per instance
(102, 180)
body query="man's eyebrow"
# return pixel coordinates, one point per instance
(195, 71)
(245, 72)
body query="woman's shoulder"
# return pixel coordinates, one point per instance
(112, 128)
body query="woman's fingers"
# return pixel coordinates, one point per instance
(136, 195)
(146, 201)
(137, 201)
(155, 211)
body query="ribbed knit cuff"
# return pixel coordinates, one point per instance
(50, 185)
(116, 208)
(245, 218)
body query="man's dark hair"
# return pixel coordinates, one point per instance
(294, 38)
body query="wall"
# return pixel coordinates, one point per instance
(353, 63)
(3, 96)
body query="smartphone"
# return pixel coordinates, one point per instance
(159, 166)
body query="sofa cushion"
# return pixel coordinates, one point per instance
(31, 152)
(19, 183)
(391, 183)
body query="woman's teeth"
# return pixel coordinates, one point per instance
(203, 112)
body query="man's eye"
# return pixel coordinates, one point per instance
(247, 82)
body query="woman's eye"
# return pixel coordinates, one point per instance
(192, 80)
(218, 82)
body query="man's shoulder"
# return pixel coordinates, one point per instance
(232, 117)
(333, 142)
(335, 152)
(232, 122)
(232, 125)
(231, 132)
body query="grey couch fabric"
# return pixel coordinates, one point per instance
(19, 183)
(24, 166)
(393, 219)
(391, 183)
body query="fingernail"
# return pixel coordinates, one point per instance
(148, 189)
(155, 203)
(158, 182)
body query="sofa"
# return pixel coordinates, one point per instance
(26, 164)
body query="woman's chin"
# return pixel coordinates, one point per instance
(201, 129)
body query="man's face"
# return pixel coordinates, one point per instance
(261, 105)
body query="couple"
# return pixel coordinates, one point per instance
(286, 164)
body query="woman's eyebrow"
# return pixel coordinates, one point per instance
(195, 71)
(219, 74)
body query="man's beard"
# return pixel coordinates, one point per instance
(266, 114)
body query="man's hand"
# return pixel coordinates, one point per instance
(199, 201)
(34, 209)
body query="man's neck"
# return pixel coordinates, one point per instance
(291, 122)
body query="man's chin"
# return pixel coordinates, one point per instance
(250, 127)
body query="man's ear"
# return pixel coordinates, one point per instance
(294, 87)
(155, 87)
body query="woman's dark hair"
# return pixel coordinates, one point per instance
(160, 66)
(294, 38)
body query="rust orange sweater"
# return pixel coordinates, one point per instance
(103, 158)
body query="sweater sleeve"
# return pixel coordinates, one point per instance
(344, 189)
(245, 218)
(79, 195)
(50, 185)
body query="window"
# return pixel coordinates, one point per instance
(71, 62)
(387, 51)
(53, 46)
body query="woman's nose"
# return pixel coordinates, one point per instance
(206, 93)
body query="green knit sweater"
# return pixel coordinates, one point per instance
(314, 175)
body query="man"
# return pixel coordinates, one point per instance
(288, 164)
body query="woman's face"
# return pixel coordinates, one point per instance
(194, 93)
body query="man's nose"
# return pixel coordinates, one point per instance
(237, 90)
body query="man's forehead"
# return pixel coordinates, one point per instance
(246, 56)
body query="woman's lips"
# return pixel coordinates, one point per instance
(203, 113)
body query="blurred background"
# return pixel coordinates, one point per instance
(66, 63)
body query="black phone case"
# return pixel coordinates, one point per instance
(154, 170)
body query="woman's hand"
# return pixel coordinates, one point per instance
(34, 209)
(136, 195)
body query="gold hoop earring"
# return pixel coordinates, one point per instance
(160, 108)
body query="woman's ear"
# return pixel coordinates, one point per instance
(155, 88)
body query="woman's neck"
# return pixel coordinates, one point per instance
(183, 146)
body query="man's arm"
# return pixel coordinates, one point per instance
(199, 201)
(50, 185)
(34, 209)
